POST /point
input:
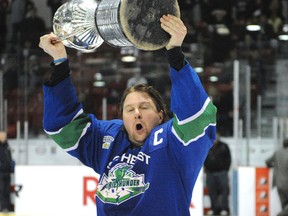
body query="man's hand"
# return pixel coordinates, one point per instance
(176, 28)
(51, 45)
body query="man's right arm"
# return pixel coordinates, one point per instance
(61, 104)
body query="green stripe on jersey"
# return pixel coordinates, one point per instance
(69, 135)
(196, 125)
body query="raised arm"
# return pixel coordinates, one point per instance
(61, 104)
(194, 112)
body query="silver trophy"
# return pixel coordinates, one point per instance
(86, 24)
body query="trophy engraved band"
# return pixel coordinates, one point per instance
(108, 23)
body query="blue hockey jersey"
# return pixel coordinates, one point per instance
(155, 179)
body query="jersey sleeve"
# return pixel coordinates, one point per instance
(66, 123)
(194, 112)
(194, 125)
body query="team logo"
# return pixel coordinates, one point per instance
(121, 184)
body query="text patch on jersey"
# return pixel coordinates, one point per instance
(107, 140)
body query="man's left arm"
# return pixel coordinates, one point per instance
(194, 112)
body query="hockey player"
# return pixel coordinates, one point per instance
(148, 164)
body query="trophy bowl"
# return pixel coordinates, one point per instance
(74, 24)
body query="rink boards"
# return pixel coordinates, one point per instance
(68, 190)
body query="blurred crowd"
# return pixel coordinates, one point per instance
(217, 35)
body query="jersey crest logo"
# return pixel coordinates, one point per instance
(107, 140)
(120, 185)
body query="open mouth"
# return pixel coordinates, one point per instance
(139, 126)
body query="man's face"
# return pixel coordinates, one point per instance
(140, 116)
(3, 136)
